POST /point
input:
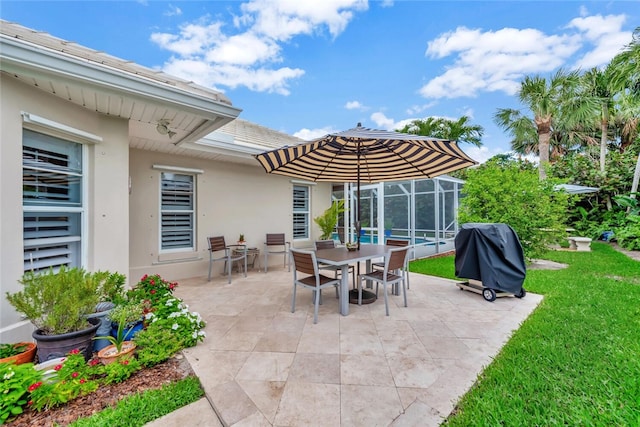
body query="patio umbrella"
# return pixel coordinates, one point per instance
(366, 155)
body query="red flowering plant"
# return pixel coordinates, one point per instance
(73, 377)
(152, 289)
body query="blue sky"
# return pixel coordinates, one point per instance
(312, 67)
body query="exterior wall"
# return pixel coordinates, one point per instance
(230, 199)
(105, 242)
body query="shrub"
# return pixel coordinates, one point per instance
(151, 288)
(16, 380)
(510, 192)
(156, 344)
(57, 302)
(171, 313)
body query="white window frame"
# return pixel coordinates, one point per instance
(306, 212)
(185, 172)
(71, 135)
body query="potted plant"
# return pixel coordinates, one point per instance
(241, 239)
(128, 315)
(110, 293)
(121, 344)
(57, 303)
(329, 219)
(18, 353)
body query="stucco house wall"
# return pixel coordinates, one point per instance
(230, 199)
(106, 175)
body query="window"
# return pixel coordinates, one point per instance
(52, 180)
(177, 211)
(300, 212)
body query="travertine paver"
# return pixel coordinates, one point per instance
(261, 365)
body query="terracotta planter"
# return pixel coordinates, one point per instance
(109, 354)
(25, 357)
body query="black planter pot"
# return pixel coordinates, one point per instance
(54, 346)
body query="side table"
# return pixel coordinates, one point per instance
(253, 255)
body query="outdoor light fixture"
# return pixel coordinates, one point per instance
(163, 128)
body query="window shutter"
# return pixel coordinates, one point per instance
(177, 211)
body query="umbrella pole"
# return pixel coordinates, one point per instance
(358, 227)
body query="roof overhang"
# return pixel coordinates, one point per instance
(118, 88)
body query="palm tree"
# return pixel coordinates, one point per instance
(554, 103)
(625, 77)
(597, 85)
(455, 130)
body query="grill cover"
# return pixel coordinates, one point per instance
(492, 254)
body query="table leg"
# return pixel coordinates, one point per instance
(344, 290)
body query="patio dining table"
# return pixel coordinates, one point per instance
(342, 257)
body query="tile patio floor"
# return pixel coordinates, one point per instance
(261, 365)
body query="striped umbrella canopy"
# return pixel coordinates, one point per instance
(366, 155)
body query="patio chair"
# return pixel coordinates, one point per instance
(394, 260)
(380, 265)
(330, 244)
(305, 262)
(275, 243)
(232, 253)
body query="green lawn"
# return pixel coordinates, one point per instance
(138, 409)
(576, 360)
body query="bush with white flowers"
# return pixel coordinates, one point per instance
(173, 314)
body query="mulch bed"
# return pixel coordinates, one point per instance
(170, 371)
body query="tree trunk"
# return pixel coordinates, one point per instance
(636, 178)
(603, 144)
(543, 152)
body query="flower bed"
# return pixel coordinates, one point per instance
(170, 327)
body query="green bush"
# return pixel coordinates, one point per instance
(157, 344)
(329, 219)
(510, 192)
(627, 231)
(57, 302)
(16, 380)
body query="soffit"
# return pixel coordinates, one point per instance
(105, 84)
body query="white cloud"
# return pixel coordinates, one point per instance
(283, 19)
(481, 154)
(309, 134)
(491, 61)
(247, 54)
(417, 109)
(355, 105)
(193, 39)
(382, 122)
(259, 79)
(604, 32)
(245, 50)
(173, 11)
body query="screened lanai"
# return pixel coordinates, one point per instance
(423, 211)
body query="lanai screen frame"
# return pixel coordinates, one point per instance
(431, 209)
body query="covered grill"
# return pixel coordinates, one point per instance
(491, 256)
